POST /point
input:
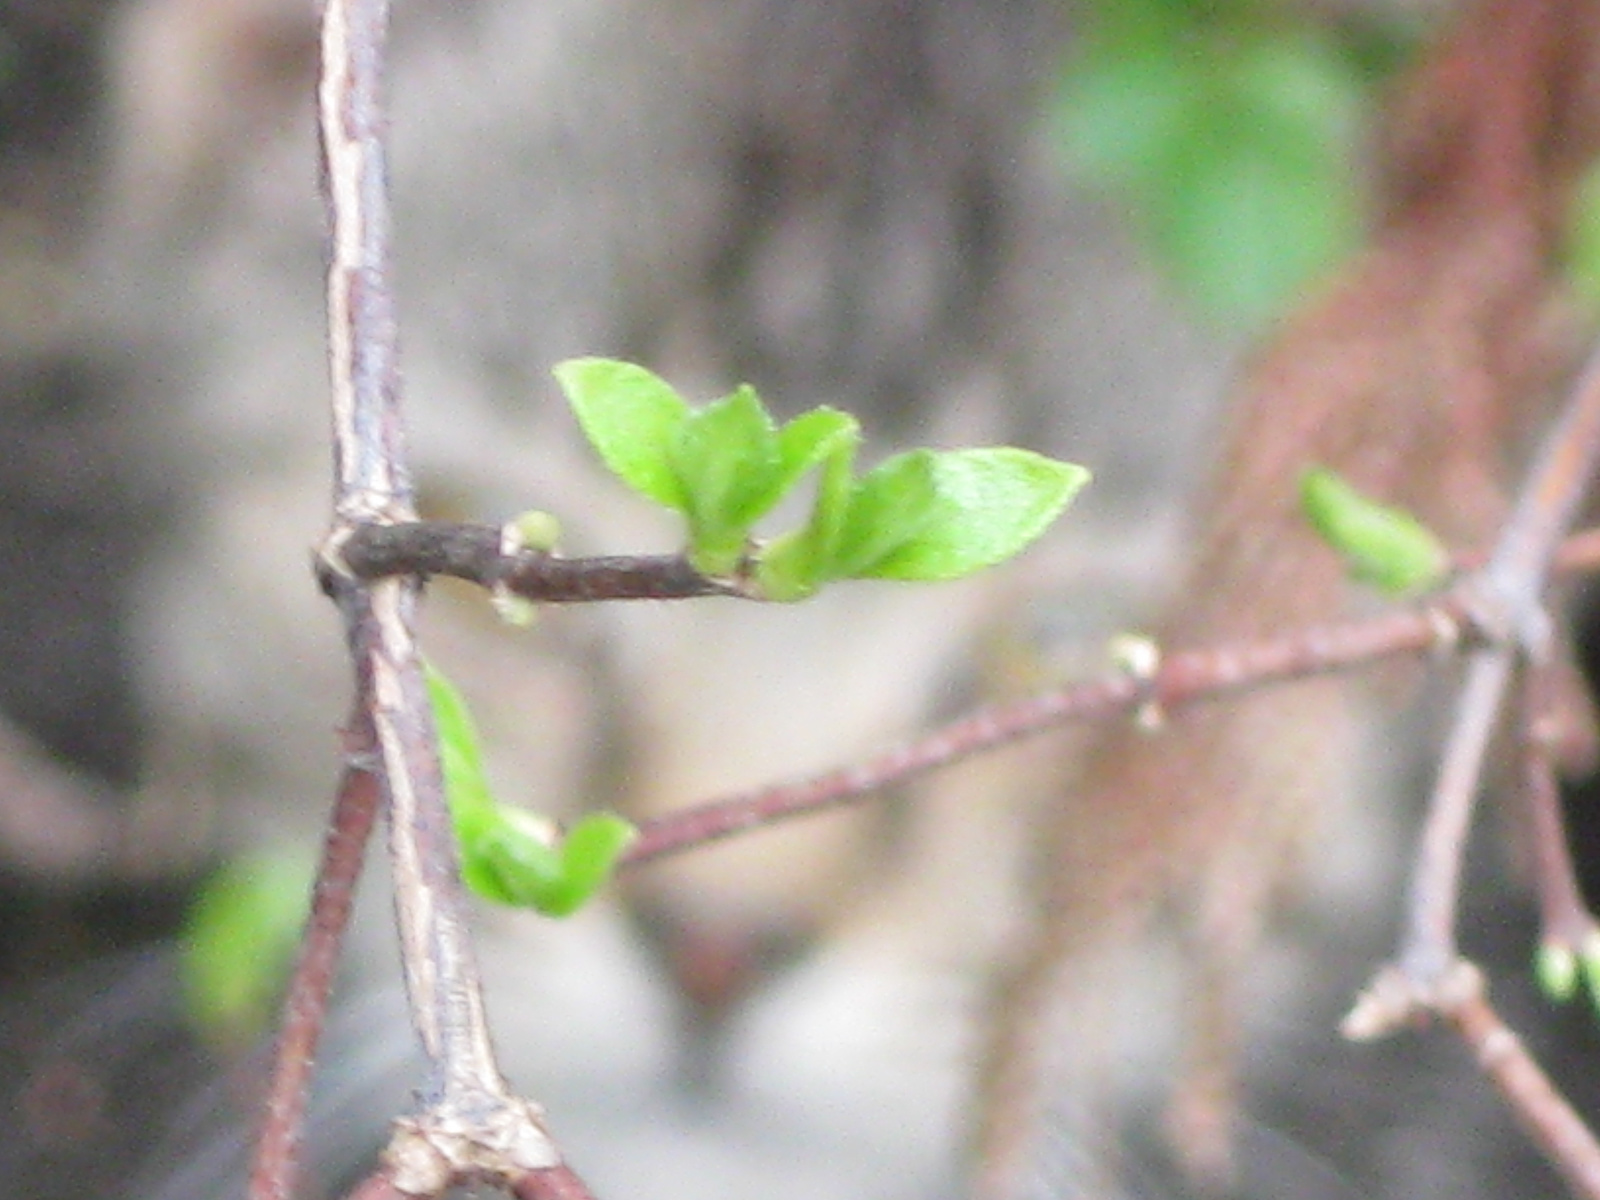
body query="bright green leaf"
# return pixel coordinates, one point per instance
(589, 854)
(1385, 547)
(238, 943)
(727, 462)
(524, 863)
(998, 500)
(810, 439)
(1556, 968)
(891, 504)
(631, 417)
(794, 565)
(509, 855)
(472, 804)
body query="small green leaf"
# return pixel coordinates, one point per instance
(810, 439)
(524, 863)
(1556, 968)
(472, 804)
(238, 942)
(893, 503)
(996, 501)
(1385, 547)
(509, 855)
(728, 467)
(794, 565)
(589, 854)
(631, 417)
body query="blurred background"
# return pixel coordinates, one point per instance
(967, 221)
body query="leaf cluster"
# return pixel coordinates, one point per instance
(924, 515)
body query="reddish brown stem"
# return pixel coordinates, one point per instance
(272, 1175)
(555, 1183)
(1184, 677)
(1541, 1110)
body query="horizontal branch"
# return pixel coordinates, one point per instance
(1181, 678)
(476, 553)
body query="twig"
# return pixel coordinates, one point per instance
(470, 1125)
(1183, 678)
(474, 553)
(1506, 600)
(276, 1162)
(1430, 946)
(1538, 1106)
(1565, 919)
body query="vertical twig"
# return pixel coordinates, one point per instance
(276, 1161)
(1565, 920)
(470, 1123)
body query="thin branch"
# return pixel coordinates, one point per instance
(1506, 601)
(1565, 919)
(1430, 945)
(276, 1162)
(1182, 678)
(470, 1123)
(371, 485)
(1541, 1110)
(555, 1183)
(475, 553)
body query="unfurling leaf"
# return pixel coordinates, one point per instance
(509, 855)
(1385, 547)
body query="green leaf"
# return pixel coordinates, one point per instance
(509, 855)
(891, 504)
(728, 467)
(1385, 547)
(810, 439)
(995, 501)
(523, 864)
(238, 943)
(472, 803)
(796, 564)
(1556, 968)
(631, 417)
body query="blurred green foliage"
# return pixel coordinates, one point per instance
(1229, 130)
(238, 944)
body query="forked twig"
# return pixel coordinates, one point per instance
(471, 1125)
(1429, 975)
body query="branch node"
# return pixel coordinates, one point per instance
(1398, 998)
(1138, 656)
(437, 1148)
